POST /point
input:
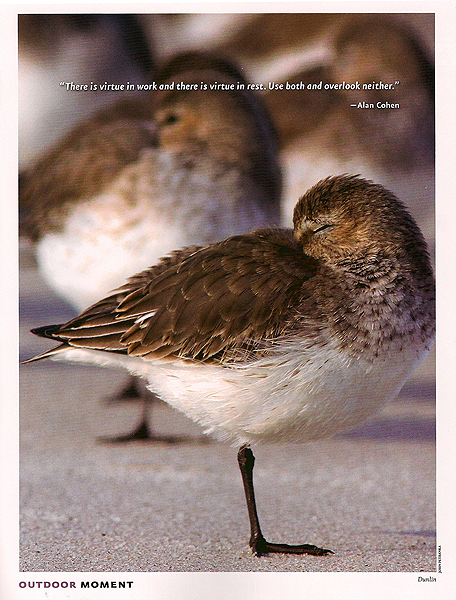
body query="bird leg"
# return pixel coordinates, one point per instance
(143, 431)
(130, 391)
(133, 391)
(257, 542)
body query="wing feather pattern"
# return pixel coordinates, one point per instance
(203, 303)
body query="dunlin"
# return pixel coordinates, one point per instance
(278, 335)
(181, 167)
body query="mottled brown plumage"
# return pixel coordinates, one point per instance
(208, 303)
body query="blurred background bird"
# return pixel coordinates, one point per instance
(83, 48)
(174, 168)
(326, 130)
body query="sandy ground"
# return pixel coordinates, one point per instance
(368, 495)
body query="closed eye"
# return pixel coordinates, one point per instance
(322, 227)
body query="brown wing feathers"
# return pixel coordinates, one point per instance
(200, 303)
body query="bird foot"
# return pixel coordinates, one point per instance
(143, 433)
(261, 547)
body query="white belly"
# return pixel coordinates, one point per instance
(293, 396)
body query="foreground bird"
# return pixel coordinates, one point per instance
(277, 335)
(183, 167)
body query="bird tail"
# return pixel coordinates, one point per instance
(47, 354)
(48, 331)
